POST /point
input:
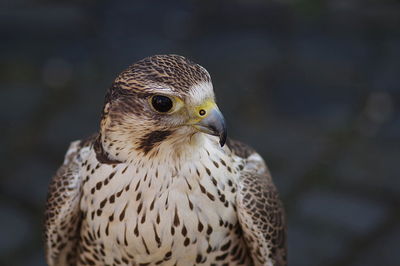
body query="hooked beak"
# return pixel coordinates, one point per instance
(213, 123)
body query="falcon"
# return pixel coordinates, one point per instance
(160, 183)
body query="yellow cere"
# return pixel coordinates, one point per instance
(208, 105)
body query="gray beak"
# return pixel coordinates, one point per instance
(213, 124)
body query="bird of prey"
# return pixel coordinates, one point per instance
(158, 186)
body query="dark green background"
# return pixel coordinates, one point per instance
(313, 85)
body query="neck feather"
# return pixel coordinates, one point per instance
(160, 145)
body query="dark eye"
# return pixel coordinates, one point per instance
(161, 103)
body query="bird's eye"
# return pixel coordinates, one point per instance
(161, 103)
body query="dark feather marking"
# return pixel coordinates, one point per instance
(186, 242)
(157, 238)
(125, 240)
(176, 217)
(150, 140)
(143, 218)
(145, 246)
(122, 215)
(200, 226)
(189, 186)
(101, 154)
(240, 149)
(136, 230)
(190, 203)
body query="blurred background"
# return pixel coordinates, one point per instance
(314, 85)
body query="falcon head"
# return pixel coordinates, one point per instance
(160, 100)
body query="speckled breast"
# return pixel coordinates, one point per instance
(161, 213)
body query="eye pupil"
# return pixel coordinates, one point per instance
(161, 103)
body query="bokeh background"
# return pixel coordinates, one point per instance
(314, 85)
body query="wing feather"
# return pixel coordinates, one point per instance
(62, 214)
(260, 211)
